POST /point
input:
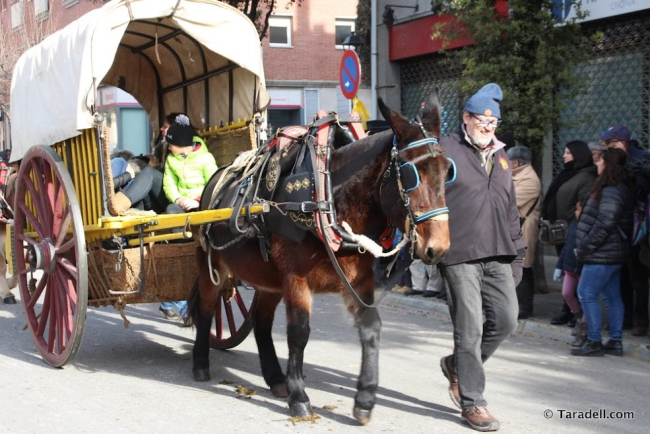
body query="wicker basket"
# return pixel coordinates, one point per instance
(170, 273)
(227, 144)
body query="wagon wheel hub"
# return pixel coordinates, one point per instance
(41, 256)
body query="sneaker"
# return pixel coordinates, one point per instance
(590, 349)
(413, 292)
(480, 419)
(168, 313)
(450, 373)
(429, 294)
(613, 348)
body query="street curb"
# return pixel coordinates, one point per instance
(527, 327)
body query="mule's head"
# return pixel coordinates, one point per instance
(415, 180)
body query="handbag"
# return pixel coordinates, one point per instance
(553, 233)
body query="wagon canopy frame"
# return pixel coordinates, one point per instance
(201, 57)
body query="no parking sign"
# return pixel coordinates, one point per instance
(349, 74)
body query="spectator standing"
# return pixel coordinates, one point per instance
(528, 190)
(485, 239)
(569, 187)
(635, 277)
(603, 246)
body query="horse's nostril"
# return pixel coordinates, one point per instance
(431, 253)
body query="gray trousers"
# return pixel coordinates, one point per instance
(474, 289)
(425, 277)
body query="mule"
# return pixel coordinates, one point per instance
(294, 272)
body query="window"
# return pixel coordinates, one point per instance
(280, 31)
(344, 27)
(17, 14)
(41, 7)
(69, 3)
(4, 5)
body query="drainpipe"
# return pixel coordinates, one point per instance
(373, 59)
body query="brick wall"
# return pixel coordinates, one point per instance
(313, 56)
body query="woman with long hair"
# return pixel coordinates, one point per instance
(603, 246)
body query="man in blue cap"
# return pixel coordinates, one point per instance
(634, 282)
(485, 240)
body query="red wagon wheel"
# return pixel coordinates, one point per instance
(232, 321)
(49, 238)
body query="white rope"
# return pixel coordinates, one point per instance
(375, 249)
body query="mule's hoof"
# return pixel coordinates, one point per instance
(362, 416)
(280, 391)
(301, 409)
(9, 300)
(201, 375)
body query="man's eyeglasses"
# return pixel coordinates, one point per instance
(484, 123)
(610, 141)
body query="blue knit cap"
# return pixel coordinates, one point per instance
(486, 101)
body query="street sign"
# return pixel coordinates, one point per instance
(350, 74)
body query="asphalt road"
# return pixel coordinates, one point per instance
(139, 380)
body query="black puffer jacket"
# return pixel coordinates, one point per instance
(603, 233)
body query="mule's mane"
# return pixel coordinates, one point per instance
(368, 148)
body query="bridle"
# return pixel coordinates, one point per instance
(408, 178)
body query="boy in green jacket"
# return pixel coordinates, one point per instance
(188, 167)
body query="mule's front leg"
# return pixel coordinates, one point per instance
(368, 323)
(298, 302)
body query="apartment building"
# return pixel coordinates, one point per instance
(302, 58)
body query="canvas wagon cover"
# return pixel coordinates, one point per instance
(55, 83)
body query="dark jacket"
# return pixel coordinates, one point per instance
(567, 259)
(604, 229)
(483, 219)
(573, 191)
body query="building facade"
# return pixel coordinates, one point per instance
(617, 83)
(302, 58)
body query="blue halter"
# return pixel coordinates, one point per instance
(407, 170)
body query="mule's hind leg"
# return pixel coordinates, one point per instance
(203, 302)
(262, 325)
(368, 323)
(298, 301)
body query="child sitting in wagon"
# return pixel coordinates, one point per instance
(188, 167)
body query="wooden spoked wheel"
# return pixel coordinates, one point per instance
(232, 320)
(51, 262)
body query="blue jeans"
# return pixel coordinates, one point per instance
(179, 306)
(606, 280)
(475, 288)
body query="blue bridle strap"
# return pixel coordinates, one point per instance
(427, 141)
(431, 214)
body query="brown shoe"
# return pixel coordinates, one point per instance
(450, 373)
(480, 419)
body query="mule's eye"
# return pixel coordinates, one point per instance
(451, 172)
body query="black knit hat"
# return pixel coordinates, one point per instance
(180, 133)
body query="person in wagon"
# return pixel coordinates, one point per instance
(485, 239)
(188, 167)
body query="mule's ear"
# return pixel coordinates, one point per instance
(398, 123)
(431, 114)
